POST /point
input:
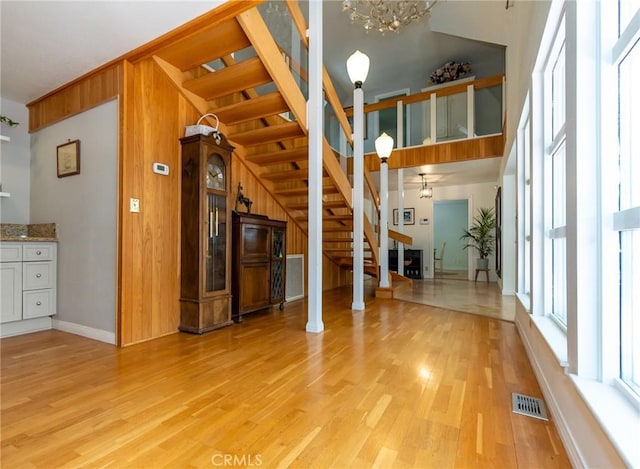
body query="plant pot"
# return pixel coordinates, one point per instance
(482, 263)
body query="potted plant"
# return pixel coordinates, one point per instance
(481, 236)
(5, 120)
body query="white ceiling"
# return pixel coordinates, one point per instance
(45, 44)
(446, 174)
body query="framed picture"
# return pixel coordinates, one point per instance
(68, 155)
(408, 218)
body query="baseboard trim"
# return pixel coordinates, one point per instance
(85, 331)
(26, 326)
(559, 418)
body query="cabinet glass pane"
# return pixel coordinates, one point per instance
(216, 268)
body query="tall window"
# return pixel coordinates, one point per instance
(627, 218)
(525, 149)
(555, 177)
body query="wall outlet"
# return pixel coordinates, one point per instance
(134, 205)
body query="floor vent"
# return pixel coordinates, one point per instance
(530, 406)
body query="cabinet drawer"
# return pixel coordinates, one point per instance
(10, 252)
(36, 275)
(38, 252)
(37, 303)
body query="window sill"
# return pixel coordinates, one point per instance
(618, 417)
(525, 301)
(555, 337)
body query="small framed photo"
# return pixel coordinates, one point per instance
(409, 217)
(68, 155)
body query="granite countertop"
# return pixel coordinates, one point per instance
(39, 233)
(27, 239)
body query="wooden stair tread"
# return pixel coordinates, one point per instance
(246, 74)
(220, 39)
(302, 191)
(294, 174)
(325, 205)
(283, 156)
(251, 109)
(270, 134)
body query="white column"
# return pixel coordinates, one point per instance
(315, 121)
(400, 219)
(358, 195)
(384, 224)
(400, 144)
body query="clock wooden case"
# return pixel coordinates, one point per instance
(205, 281)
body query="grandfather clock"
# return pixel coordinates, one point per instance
(205, 284)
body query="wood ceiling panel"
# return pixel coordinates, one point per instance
(205, 46)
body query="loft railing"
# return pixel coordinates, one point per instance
(463, 109)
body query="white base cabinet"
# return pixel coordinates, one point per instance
(28, 281)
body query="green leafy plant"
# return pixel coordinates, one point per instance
(5, 120)
(482, 235)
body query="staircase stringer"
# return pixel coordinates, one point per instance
(267, 49)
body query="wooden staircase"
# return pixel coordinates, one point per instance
(225, 69)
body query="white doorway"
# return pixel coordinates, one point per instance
(450, 219)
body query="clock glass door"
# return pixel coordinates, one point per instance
(216, 259)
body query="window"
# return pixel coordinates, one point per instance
(555, 180)
(627, 218)
(524, 203)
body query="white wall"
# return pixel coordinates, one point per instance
(15, 159)
(479, 195)
(84, 208)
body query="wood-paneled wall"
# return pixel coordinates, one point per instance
(96, 88)
(149, 245)
(152, 118)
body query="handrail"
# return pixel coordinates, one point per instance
(425, 95)
(400, 237)
(372, 187)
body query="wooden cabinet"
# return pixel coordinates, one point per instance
(28, 281)
(205, 282)
(259, 253)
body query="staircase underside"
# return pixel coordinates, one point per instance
(234, 69)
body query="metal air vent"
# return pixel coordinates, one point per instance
(527, 405)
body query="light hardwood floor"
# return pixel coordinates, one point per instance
(399, 385)
(472, 297)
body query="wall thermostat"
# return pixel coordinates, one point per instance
(161, 168)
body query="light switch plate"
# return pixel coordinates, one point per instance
(134, 205)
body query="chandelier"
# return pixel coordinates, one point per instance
(426, 192)
(386, 15)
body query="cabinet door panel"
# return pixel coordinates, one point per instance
(11, 289)
(254, 288)
(256, 242)
(10, 252)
